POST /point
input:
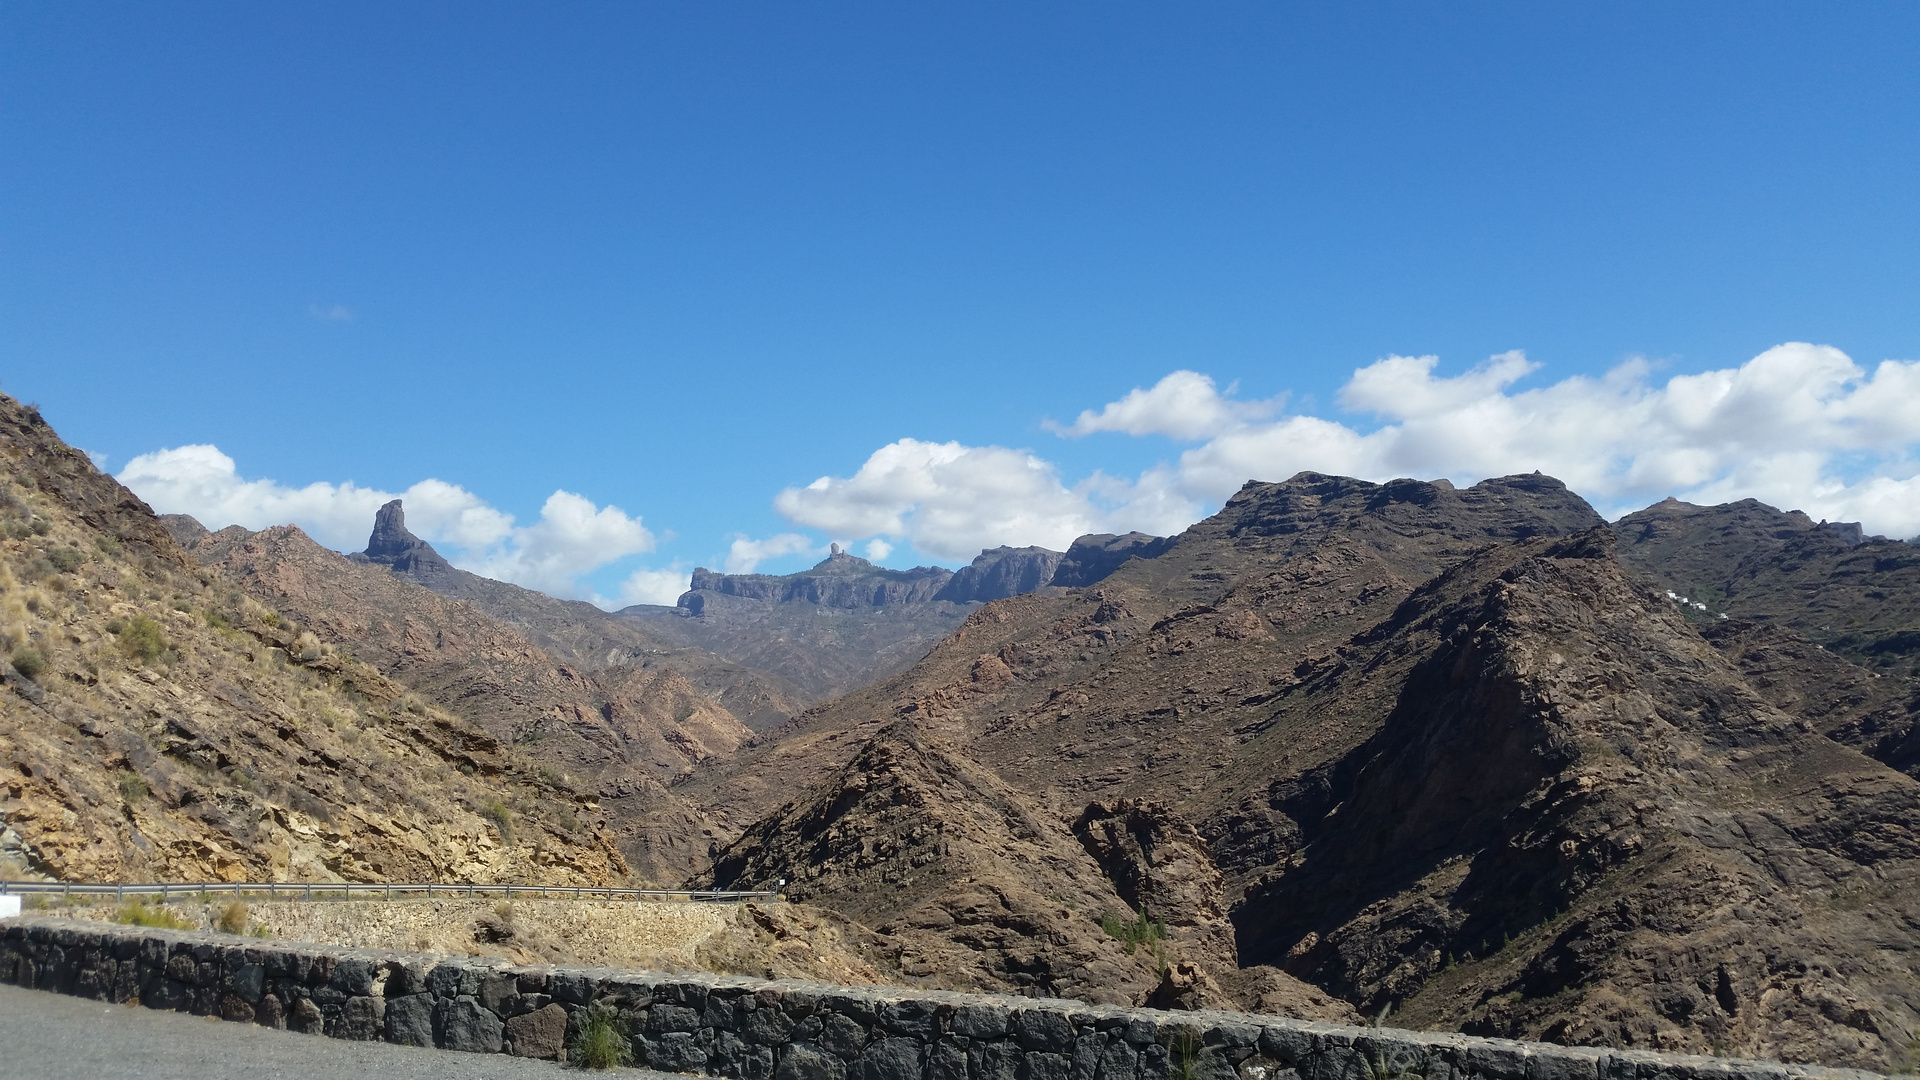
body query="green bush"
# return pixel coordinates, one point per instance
(66, 559)
(109, 545)
(132, 787)
(142, 639)
(496, 812)
(28, 661)
(1136, 931)
(598, 1041)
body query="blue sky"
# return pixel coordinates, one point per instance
(681, 259)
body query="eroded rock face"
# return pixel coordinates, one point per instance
(1001, 572)
(392, 546)
(841, 580)
(1094, 556)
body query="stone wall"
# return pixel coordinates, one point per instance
(752, 1029)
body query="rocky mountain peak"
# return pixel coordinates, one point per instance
(392, 546)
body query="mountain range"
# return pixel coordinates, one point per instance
(1469, 758)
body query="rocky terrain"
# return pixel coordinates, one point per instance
(824, 631)
(763, 939)
(1855, 594)
(157, 722)
(1426, 751)
(578, 633)
(1472, 759)
(619, 730)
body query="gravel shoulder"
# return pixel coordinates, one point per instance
(48, 1036)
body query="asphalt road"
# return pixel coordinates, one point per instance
(47, 1036)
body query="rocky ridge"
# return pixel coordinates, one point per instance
(158, 723)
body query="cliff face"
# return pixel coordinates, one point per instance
(998, 573)
(1094, 557)
(158, 723)
(840, 580)
(822, 631)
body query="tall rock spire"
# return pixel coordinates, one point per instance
(392, 546)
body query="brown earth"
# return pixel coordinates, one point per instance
(231, 745)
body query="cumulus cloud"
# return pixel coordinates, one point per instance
(573, 537)
(878, 549)
(1184, 405)
(951, 500)
(662, 587)
(1800, 427)
(746, 553)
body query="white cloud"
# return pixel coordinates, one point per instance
(331, 312)
(99, 460)
(662, 587)
(1800, 427)
(951, 500)
(746, 553)
(1183, 405)
(878, 549)
(573, 537)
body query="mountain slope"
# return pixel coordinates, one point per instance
(159, 724)
(1441, 751)
(575, 632)
(825, 631)
(1854, 594)
(622, 728)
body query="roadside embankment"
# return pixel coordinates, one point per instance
(768, 940)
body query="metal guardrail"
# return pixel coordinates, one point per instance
(325, 891)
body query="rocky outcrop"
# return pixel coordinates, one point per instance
(840, 580)
(1096, 555)
(1000, 572)
(822, 632)
(393, 547)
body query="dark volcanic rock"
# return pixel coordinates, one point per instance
(1096, 555)
(1001, 572)
(392, 546)
(1854, 594)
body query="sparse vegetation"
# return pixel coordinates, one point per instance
(1135, 932)
(143, 640)
(132, 787)
(28, 661)
(66, 559)
(500, 817)
(138, 913)
(1183, 1054)
(232, 918)
(599, 1041)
